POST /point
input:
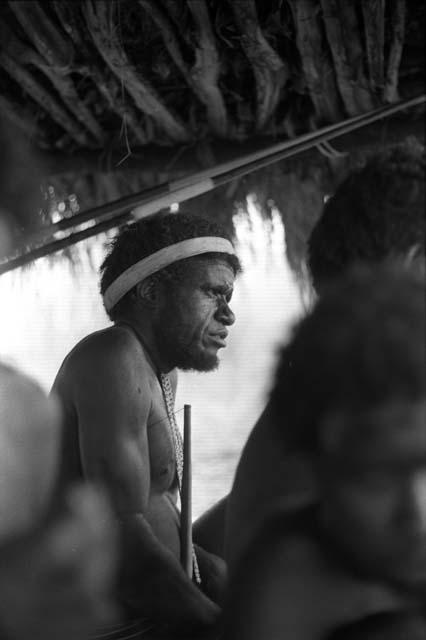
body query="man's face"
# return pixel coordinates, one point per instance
(193, 322)
(374, 492)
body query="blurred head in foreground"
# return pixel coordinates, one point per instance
(377, 213)
(351, 391)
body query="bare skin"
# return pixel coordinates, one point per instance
(266, 477)
(371, 475)
(57, 568)
(56, 581)
(209, 529)
(302, 595)
(117, 434)
(29, 445)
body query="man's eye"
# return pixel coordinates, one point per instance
(218, 293)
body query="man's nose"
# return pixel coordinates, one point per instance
(413, 501)
(225, 314)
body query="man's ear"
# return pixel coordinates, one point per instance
(147, 292)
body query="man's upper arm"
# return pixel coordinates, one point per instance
(112, 402)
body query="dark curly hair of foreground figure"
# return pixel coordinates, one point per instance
(363, 344)
(141, 239)
(377, 212)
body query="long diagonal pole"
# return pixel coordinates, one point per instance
(186, 496)
(148, 201)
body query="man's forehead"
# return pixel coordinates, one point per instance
(215, 271)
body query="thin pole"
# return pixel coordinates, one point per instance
(186, 496)
(63, 243)
(166, 193)
(155, 198)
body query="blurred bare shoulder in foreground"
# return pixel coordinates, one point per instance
(57, 568)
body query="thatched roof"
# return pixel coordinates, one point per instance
(120, 95)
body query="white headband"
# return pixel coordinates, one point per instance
(160, 259)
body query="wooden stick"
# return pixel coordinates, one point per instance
(186, 496)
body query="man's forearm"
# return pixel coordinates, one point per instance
(153, 582)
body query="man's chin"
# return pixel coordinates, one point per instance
(198, 362)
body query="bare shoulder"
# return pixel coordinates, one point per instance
(259, 466)
(106, 384)
(263, 436)
(112, 354)
(114, 343)
(29, 444)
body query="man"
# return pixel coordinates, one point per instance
(166, 284)
(351, 391)
(376, 213)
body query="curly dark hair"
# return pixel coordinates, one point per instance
(363, 343)
(141, 239)
(376, 213)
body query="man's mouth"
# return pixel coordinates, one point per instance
(219, 338)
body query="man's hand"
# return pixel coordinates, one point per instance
(213, 574)
(56, 583)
